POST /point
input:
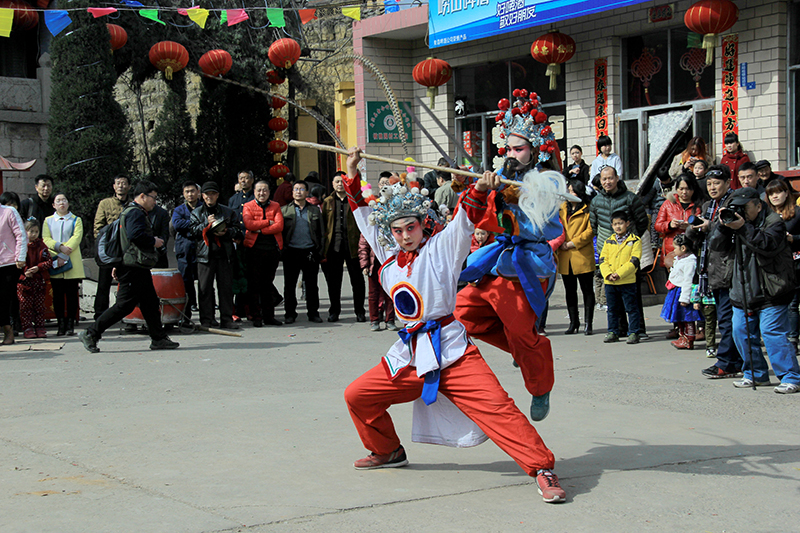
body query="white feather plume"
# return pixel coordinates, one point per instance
(541, 195)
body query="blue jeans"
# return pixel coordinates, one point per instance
(728, 358)
(774, 325)
(793, 315)
(621, 299)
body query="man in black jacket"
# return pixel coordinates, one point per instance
(214, 227)
(40, 206)
(139, 245)
(763, 286)
(303, 238)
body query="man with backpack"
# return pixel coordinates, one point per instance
(139, 254)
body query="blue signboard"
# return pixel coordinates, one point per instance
(458, 21)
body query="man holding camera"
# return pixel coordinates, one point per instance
(716, 271)
(763, 286)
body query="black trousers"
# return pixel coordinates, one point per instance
(333, 268)
(135, 288)
(294, 262)
(65, 288)
(261, 267)
(104, 280)
(221, 270)
(8, 292)
(571, 282)
(188, 270)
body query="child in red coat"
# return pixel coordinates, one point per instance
(31, 285)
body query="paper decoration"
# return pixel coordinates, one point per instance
(600, 98)
(730, 89)
(223, 17)
(235, 16)
(132, 3)
(56, 20)
(98, 12)
(307, 15)
(275, 16)
(352, 12)
(198, 15)
(151, 14)
(6, 20)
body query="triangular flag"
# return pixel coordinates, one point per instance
(56, 20)
(275, 16)
(198, 16)
(352, 12)
(6, 20)
(182, 11)
(132, 3)
(223, 17)
(98, 12)
(235, 16)
(307, 15)
(151, 14)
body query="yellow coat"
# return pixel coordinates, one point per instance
(621, 258)
(579, 232)
(74, 242)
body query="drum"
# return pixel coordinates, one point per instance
(171, 293)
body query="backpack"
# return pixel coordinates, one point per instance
(108, 248)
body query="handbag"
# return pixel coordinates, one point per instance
(60, 270)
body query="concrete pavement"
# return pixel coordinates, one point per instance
(253, 435)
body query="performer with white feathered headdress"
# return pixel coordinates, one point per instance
(513, 277)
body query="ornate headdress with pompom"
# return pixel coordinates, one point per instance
(397, 202)
(526, 119)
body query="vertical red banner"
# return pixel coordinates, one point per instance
(600, 97)
(730, 87)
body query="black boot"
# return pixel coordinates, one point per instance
(574, 321)
(588, 317)
(62, 327)
(70, 327)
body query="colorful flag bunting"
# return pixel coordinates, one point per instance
(6, 20)
(98, 12)
(276, 18)
(352, 12)
(235, 16)
(151, 14)
(56, 20)
(132, 3)
(307, 15)
(198, 16)
(223, 17)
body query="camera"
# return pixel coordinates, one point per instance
(728, 214)
(694, 220)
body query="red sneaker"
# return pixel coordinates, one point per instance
(549, 488)
(29, 333)
(393, 460)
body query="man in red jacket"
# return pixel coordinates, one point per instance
(263, 241)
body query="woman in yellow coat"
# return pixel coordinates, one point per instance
(62, 233)
(576, 257)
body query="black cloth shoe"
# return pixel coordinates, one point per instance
(89, 342)
(318, 320)
(229, 325)
(333, 318)
(272, 322)
(289, 320)
(62, 327)
(361, 317)
(258, 323)
(163, 344)
(70, 327)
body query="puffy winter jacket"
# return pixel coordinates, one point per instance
(604, 205)
(13, 239)
(266, 220)
(672, 210)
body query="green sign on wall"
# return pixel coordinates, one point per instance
(381, 125)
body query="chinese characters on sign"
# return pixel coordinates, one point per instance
(730, 89)
(381, 124)
(600, 98)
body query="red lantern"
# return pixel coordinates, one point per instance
(274, 77)
(277, 124)
(553, 49)
(277, 146)
(25, 18)
(432, 73)
(169, 57)
(215, 63)
(278, 103)
(278, 171)
(709, 18)
(284, 53)
(118, 36)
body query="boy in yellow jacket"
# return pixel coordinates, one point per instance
(619, 262)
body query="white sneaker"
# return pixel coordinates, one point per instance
(711, 353)
(747, 383)
(786, 388)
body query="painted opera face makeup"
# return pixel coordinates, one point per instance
(408, 233)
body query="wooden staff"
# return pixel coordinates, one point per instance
(326, 148)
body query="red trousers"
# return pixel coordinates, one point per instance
(497, 311)
(471, 385)
(380, 304)
(31, 293)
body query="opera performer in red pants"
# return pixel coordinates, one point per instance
(458, 400)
